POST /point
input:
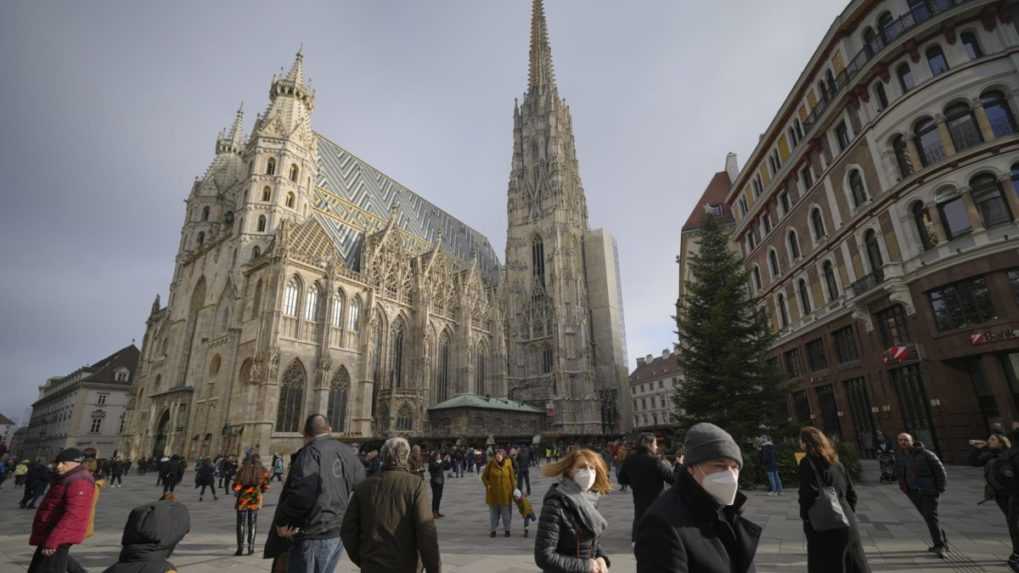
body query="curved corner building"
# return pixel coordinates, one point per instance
(877, 216)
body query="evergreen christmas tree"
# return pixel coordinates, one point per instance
(724, 341)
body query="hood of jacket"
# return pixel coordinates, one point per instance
(153, 530)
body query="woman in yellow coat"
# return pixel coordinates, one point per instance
(499, 478)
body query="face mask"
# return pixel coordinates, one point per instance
(584, 479)
(722, 486)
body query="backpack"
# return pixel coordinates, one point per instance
(1001, 473)
(826, 513)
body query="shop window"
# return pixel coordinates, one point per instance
(816, 357)
(960, 304)
(844, 340)
(791, 358)
(893, 326)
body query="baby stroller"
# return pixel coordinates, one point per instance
(886, 460)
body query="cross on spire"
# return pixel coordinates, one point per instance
(540, 75)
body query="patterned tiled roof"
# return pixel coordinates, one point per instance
(361, 198)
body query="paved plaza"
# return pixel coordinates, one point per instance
(892, 530)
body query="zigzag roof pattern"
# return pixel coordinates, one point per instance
(361, 199)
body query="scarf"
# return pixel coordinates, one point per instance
(584, 504)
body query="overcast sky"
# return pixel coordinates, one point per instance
(110, 109)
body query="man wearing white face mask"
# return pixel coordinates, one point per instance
(697, 526)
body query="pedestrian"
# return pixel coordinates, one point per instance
(438, 482)
(524, 468)
(323, 475)
(922, 478)
(116, 473)
(570, 525)
(252, 482)
(1001, 476)
(151, 534)
(205, 477)
(837, 550)
(646, 474)
(36, 480)
(171, 473)
(63, 516)
(499, 478)
(697, 525)
(389, 526)
(471, 460)
(769, 461)
(20, 471)
(524, 507)
(277, 467)
(417, 462)
(228, 470)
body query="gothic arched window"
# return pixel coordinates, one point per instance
(828, 269)
(255, 252)
(337, 407)
(311, 304)
(266, 194)
(338, 309)
(293, 172)
(270, 166)
(256, 306)
(442, 378)
(288, 414)
(396, 355)
(201, 238)
(479, 370)
(773, 263)
(290, 296)
(538, 260)
(261, 223)
(546, 359)
(355, 314)
(291, 200)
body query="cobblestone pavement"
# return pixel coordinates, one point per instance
(892, 530)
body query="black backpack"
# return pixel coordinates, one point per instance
(1002, 474)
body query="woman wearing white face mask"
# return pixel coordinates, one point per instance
(696, 526)
(570, 525)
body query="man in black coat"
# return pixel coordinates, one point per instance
(152, 532)
(646, 474)
(524, 468)
(697, 526)
(323, 475)
(923, 479)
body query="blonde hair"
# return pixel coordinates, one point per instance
(565, 466)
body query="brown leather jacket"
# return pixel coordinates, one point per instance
(389, 524)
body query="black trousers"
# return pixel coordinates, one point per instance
(524, 477)
(1009, 506)
(212, 488)
(169, 484)
(60, 562)
(927, 505)
(116, 479)
(247, 525)
(436, 496)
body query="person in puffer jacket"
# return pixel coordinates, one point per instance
(152, 532)
(63, 515)
(570, 525)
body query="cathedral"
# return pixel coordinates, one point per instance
(309, 281)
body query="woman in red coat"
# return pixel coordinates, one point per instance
(252, 482)
(62, 517)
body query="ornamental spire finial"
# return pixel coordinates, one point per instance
(540, 75)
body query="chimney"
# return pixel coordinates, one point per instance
(665, 352)
(732, 166)
(640, 361)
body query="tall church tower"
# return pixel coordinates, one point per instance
(553, 361)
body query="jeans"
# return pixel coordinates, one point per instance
(524, 476)
(497, 511)
(927, 505)
(314, 555)
(436, 496)
(774, 481)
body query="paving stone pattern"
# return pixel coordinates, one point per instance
(893, 532)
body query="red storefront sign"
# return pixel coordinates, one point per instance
(988, 336)
(896, 355)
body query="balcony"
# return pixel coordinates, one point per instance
(867, 283)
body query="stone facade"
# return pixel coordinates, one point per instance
(308, 281)
(653, 384)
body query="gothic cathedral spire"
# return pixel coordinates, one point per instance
(541, 75)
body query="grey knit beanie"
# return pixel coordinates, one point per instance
(706, 441)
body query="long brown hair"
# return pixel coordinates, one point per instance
(251, 472)
(818, 445)
(565, 466)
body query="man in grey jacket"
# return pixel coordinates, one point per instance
(314, 499)
(923, 479)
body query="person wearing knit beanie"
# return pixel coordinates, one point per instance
(706, 441)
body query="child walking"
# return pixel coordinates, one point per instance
(525, 509)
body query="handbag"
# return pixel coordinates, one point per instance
(826, 513)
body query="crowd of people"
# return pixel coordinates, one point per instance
(381, 504)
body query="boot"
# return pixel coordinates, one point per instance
(241, 533)
(252, 528)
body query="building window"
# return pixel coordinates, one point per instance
(404, 419)
(270, 167)
(443, 377)
(882, 97)
(804, 297)
(355, 314)
(122, 375)
(783, 311)
(936, 61)
(97, 426)
(338, 310)
(807, 178)
(794, 245)
(291, 200)
(954, 217)
(873, 249)
(783, 201)
(311, 304)
(842, 136)
(816, 358)
(255, 252)
(1013, 281)
(290, 297)
(205, 213)
(261, 223)
(792, 362)
(756, 272)
(773, 263)
(971, 45)
(858, 193)
(396, 355)
(538, 260)
(288, 414)
(758, 186)
(793, 138)
(928, 141)
(885, 27)
(962, 126)
(817, 224)
(830, 282)
(905, 76)
(294, 172)
(743, 209)
(920, 222)
(201, 238)
(961, 304)
(101, 401)
(989, 199)
(801, 404)
(336, 407)
(1015, 178)
(766, 221)
(844, 340)
(902, 161)
(266, 194)
(893, 326)
(999, 114)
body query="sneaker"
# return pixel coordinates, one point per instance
(941, 551)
